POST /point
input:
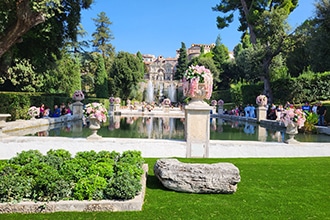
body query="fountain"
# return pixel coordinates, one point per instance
(172, 93)
(150, 92)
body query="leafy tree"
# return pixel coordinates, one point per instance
(24, 78)
(125, 74)
(265, 23)
(19, 16)
(220, 54)
(101, 79)
(320, 41)
(182, 62)
(65, 77)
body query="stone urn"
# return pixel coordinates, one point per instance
(198, 92)
(291, 130)
(94, 125)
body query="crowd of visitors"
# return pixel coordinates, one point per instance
(276, 112)
(57, 111)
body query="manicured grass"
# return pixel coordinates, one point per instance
(296, 188)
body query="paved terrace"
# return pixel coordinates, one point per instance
(11, 145)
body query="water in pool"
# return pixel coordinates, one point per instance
(173, 128)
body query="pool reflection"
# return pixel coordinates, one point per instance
(173, 128)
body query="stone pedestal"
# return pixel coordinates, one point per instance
(261, 113)
(220, 110)
(117, 107)
(111, 108)
(214, 110)
(197, 128)
(166, 108)
(77, 109)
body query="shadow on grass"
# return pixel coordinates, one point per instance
(154, 183)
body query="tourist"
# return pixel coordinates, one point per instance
(247, 111)
(42, 109)
(46, 112)
(314, 108)
(252, 111)
(57, 111)
(321, 111)
(272, 112)
(306, 108)
(279, 112)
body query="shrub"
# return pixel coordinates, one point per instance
(90, 187)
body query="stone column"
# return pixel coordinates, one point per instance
(261, 113)
(262, 134)
(77, 110)
(197, 129)
(220, 110)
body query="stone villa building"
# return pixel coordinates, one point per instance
(163, 69)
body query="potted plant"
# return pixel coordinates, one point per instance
(197, 83)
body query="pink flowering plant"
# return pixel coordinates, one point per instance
(33, 111)
(295, 116)
(78, 95)
(96, 110)
(193, 77)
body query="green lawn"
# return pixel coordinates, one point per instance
(297, 188)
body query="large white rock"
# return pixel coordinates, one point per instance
(197, 178)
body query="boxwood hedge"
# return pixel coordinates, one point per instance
(58, 176)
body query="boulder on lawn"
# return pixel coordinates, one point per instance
(197, 178)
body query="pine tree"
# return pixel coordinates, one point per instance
(103, 36)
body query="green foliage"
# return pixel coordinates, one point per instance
(103, 35)
(23, 76)
(125, 74)
(90, 187)
(101, 79)
(123, 187)
(182, 65)
(56, 176)
(311, 120)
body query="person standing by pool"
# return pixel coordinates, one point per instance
(321, 111)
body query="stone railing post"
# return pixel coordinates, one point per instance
(77, 109)
(197, 129)
(261, 113)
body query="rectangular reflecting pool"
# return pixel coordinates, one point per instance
(173, 128)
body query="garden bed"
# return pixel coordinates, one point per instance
(134, 204)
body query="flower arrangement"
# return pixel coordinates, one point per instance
(221, 102)
(117, 100)
(166, 101)
(112, 100)
(34, 111)
(96, 110)
(78, 95)
(261, 100)
(293, 115)
(194, 76)
(214, 102)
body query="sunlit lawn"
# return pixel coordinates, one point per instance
(297, 188)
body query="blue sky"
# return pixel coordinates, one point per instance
(159, 27)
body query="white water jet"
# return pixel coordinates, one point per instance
(172, 92)
(150, 92)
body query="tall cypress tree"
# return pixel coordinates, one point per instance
(101, 79)
(182, 62)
